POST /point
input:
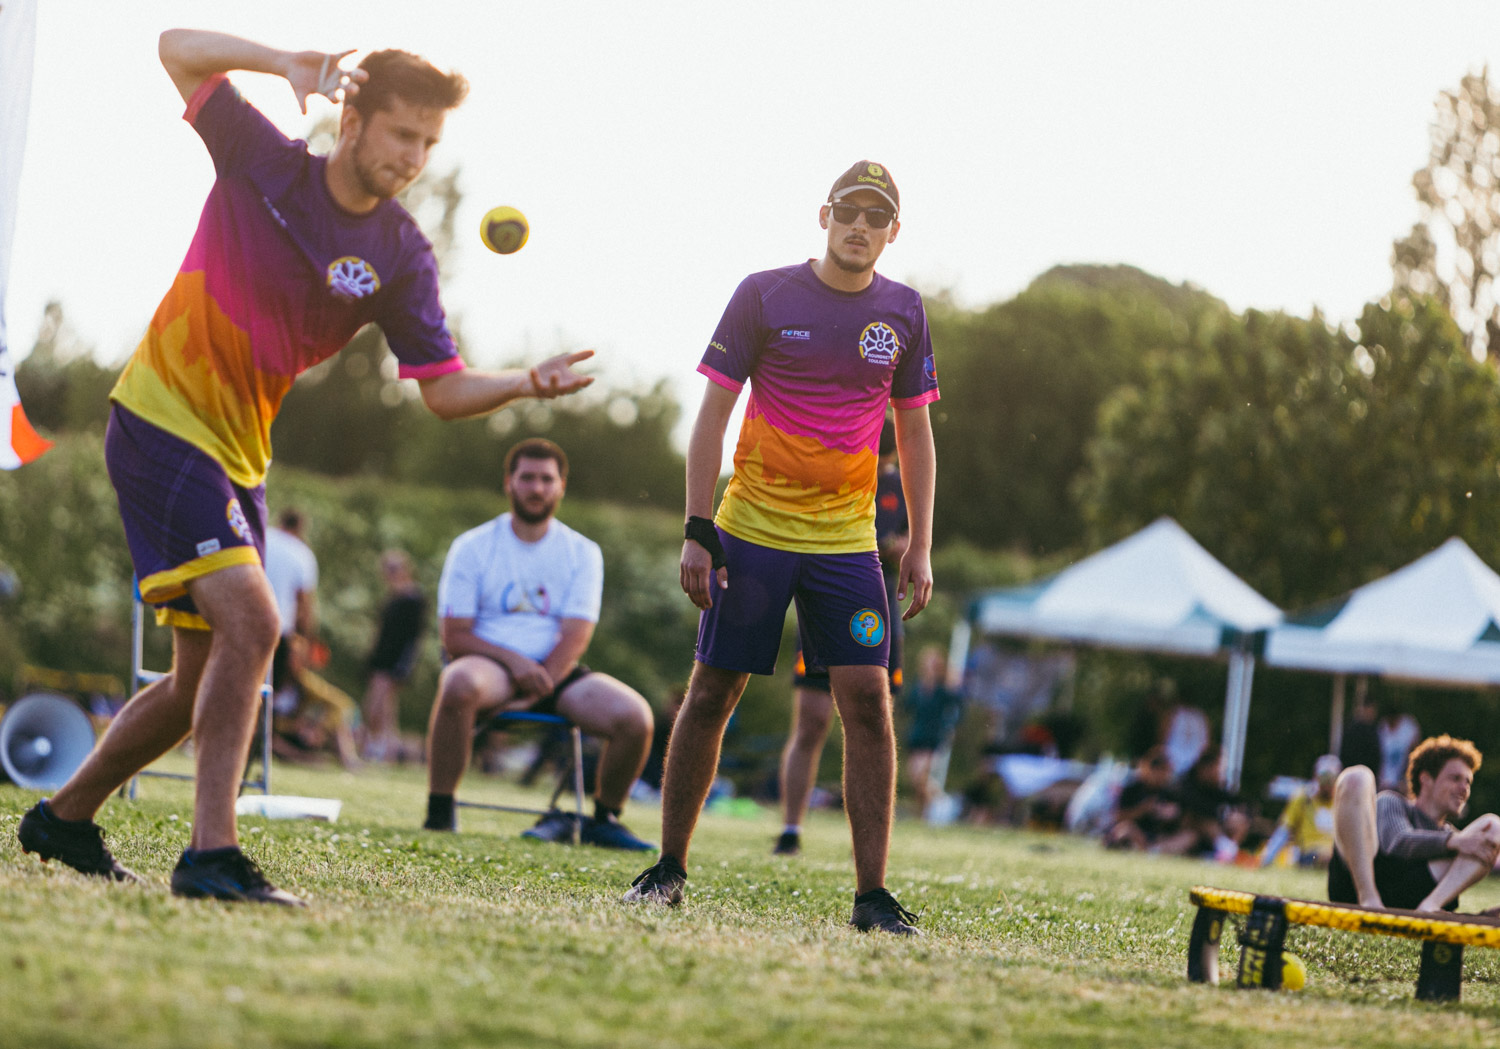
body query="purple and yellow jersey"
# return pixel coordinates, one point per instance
(822, 365)
(278, 278)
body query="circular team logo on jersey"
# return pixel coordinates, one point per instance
(879, 344)
(867, 626)
(237, 523)
(352, 278)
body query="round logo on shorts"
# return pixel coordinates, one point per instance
(237, 523)
(867, 626)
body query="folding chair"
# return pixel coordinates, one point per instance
(140, 677)
(574, 766)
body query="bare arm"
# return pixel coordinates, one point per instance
(529, 677)
(914, 449)
(463, 394)
(191, 56)
(570, 647)
(307, 613)
(705, 453)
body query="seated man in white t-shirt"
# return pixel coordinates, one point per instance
(517, 603)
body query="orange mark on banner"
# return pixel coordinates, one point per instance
(24, 441)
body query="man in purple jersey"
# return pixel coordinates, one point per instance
(825, 345)
(293, 254)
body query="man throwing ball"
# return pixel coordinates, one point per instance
(825, 345)
(293, 255)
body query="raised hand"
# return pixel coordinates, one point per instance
(318, 73)
(555, 376)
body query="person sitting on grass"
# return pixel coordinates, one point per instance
(1149, 810)
(1307, 822)
(1404, 852)
(518, 601)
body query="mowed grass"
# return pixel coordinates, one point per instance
(484, 939)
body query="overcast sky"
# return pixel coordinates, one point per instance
(664, 150)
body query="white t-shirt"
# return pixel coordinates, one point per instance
(292, 569)
(519, 593)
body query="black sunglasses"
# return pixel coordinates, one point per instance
(847, 214)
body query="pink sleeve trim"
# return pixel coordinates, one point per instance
(431, 371)
(907, 403)
(200, 96)
(720, 378)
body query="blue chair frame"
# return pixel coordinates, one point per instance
(574, 771)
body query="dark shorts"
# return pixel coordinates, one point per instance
(548, 703)
(840, 599)
(1401, 883)
(183, 516)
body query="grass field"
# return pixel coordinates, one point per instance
(482, 939)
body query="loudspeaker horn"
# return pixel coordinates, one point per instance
(44, 737)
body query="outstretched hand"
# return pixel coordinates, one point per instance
(318, 73)
(555, 376)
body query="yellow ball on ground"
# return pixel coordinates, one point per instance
(504, 230)
(1293, 972)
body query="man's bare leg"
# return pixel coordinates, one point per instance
(1354, 831)
(380, 740)
(1456, 875)
(693, 754)
(237, 602)
(603, 706)
(468, 685)
(812, 715)
(156, 719)
(864, 704)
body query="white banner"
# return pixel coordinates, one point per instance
(18, 442)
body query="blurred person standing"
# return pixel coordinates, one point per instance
(393, 655)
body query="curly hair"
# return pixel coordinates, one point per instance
(1432, 756)
(409, 77)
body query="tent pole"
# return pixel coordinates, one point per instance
(1227, 741)
(1336, 716)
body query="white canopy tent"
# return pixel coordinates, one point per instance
(1156, 591)
(1433, 621)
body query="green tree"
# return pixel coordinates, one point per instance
(1453, 251)
(62, 386)
(1022, 383)
(1308, 460)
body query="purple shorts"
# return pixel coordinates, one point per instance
(183, 516)
(841, 608)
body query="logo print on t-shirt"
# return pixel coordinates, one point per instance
(879, 344)
(352, 278)
(867, 626)
(237, 523)
(516, 599)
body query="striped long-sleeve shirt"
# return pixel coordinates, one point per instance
(1406, 832)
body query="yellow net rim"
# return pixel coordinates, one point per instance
(1468, 930)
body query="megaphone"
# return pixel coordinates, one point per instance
(44, 737)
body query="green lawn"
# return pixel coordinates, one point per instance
(480, 938)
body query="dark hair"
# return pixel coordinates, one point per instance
(1432, 756)
(536, 448)
(409, 77)
(290, 519)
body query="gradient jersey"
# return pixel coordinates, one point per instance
(822, 365)
(278, 278)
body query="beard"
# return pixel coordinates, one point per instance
(365, 172)
(530, 516)
(849, 266)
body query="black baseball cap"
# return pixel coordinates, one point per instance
(867, 175)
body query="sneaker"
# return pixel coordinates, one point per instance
(556, 826)
(789, 844)
(612, 834)
(226, 874)
(878, 909)
(660, 884)
(77, 843)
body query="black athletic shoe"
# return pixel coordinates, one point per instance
(556, 826)
(878, 909)
(226, 874)
(612, 834)
(77, 843)
(789, 844)
(660, 884)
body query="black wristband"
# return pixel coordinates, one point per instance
(702, 531)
